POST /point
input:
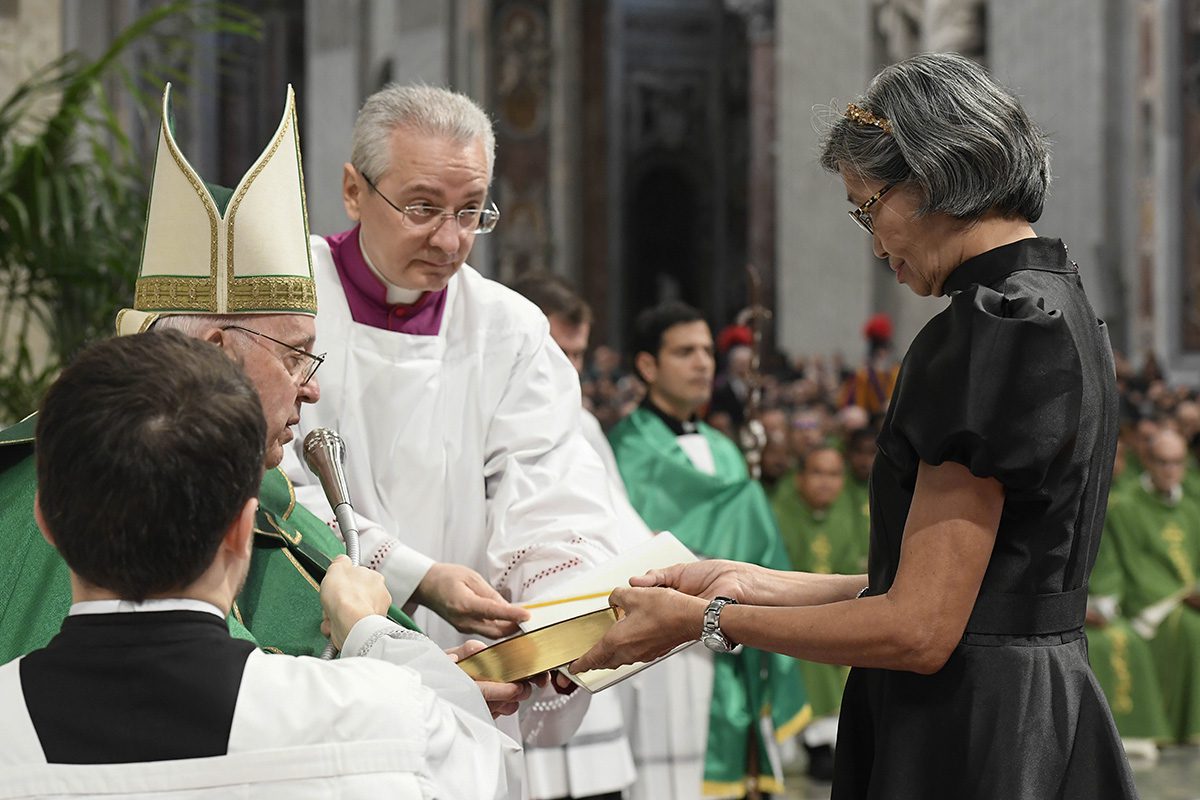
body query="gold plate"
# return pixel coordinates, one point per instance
(547, 648)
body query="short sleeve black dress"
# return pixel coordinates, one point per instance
(1014, 380)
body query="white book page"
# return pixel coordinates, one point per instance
(589, 592)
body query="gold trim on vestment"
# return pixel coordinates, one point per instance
(1122, 699)
(291, 494)
(794, 725)
(301, 569)
(237, 614)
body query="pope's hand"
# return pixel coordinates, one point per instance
(502, 698)
(463, 598)
(707, 579)
(654, 621)
(348, 594)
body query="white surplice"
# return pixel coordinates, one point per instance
(401, 721)
(665, 707)
(462, 447)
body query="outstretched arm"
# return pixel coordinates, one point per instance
(948, 540)
(751, 584)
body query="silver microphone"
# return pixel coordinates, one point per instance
(325, 453)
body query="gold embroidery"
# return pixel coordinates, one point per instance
(237, 614)
(1122, 700)
(1173, 535)
(272, 293)
(821, 550)
(291, 494)
(280, 532)
(301, 570)
(174, 294)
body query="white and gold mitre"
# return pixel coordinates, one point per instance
(209, 250)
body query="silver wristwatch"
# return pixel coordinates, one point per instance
(711, 634)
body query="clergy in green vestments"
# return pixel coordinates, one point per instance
(820, 524)
(685, 477)
(1156, 533)
(261, 314)
(1120, 658)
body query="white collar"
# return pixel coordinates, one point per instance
(395, 294)
(1171, 498)
(129, 606)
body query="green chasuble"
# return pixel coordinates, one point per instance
(279, 608)
(833, 541)
(1120, 658)
(725, 515)
(856, 495)
(1158, 545)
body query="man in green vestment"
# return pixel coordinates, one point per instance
(1120, 658)
(253, 296)
(685, 477)
(1155, 531)
(860, 449)
(821, 529)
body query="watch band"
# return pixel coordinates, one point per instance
(711, 634)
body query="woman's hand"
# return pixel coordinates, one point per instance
(654, 621)
(707, 579)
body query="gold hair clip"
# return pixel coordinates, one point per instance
(864, 117)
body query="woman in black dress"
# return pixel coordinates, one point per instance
(971, 677)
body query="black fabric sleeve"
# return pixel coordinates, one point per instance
(993, 383)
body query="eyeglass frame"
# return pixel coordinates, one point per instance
(443, 213)
(315, 360)
(860, 215)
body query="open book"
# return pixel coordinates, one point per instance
(565, 623)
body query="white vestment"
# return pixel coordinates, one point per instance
(401, 722)
(665, 706)
(465, 447)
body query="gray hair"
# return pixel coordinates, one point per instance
(426, 109)
(196, 325)
(958, 136)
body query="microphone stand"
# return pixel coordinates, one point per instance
(325, 453)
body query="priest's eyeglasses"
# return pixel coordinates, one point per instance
(429, 218)
(862, 216)
(299, 363)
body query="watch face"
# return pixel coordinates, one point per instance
(715, 642)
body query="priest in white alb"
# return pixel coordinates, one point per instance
(460, 413)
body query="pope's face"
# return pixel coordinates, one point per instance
(272, 368)
(424, 170)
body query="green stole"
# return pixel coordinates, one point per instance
(1159, 548)
(1120, 659)
(279, 608)
(725, 515)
